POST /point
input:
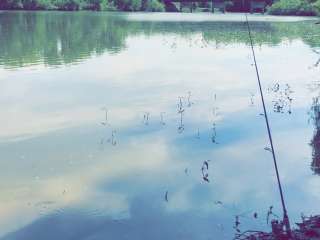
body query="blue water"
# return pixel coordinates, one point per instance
(65, 175)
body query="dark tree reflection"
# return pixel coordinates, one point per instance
(59, 38)
(315, 143)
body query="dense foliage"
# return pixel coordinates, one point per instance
(73, 5)
(279, 7)
(295, 7)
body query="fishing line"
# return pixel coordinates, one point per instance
(285, 215)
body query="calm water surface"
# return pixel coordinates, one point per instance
(68, 171)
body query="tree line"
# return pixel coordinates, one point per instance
(75, 5)
(274, 7)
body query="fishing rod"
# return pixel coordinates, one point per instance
(286, 221)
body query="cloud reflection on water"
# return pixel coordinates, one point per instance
(67, 185)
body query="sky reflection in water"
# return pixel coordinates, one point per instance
(61, 176)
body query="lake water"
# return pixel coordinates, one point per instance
(107, 119)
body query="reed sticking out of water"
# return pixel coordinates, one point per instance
(105, 122)
(205, 171)
(189, 101)
(162, 122)
(214, 134)
(214, 97)
(252, 95)
(112, 140)
(180, 112)
(318, 61)
(270, 213)
(237, 223)
(215, 112)
(198, 134)
(146, 117)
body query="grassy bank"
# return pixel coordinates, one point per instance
(295, 8)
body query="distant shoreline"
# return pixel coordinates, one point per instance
(269, 7)
(226, 16)
(185, 16)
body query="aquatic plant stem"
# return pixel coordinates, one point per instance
(285, 214)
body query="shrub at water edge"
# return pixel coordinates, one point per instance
(294, 7)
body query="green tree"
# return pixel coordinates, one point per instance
(11, 4)
(293, 7)
(69, 5)
(96, 5)
(152, 6)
